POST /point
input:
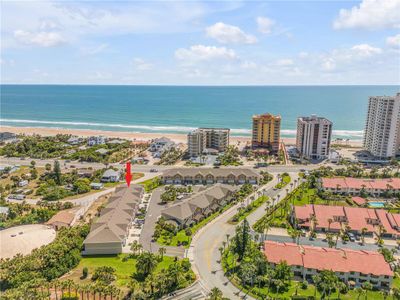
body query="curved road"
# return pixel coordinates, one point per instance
(204, 253)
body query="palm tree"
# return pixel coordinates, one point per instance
(162, 251)
(364, 230)
(215, 294)
(227, 238)
(56, 284)
(329, 224)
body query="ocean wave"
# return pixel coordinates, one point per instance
(180, 129)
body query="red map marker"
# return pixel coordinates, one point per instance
(128, 175)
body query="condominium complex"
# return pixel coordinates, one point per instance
(203, 139)
(110, 231)
(382, 136)
(313, 137)
(349, 265)
(266, 132)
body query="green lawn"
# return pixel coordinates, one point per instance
(150, 184)
(123, 269)
(242, 214)
(284, 182)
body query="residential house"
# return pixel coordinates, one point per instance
(96, 185)
(4, 210)
(111, 175)
(96, 140)
(74, 140)
(8, 137)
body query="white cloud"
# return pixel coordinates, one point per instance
(204, 53)
(341, 58)
(141, 65)
(265, 25)
(365, 50)
(41, 38)
(225, 34)
(370, 14)
(393, 41)
(94, 50)
(284, 62)
(303, 54)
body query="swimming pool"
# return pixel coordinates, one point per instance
(376, 204)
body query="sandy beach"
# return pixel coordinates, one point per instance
(134, 136)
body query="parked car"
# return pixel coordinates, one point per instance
(153, 170)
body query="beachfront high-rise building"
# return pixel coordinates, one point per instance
(203, 139)
(266, 131)
(313, 138)
(382, 129)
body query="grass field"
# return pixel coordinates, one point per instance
(123, 269)
(242, 214)
(284, 182)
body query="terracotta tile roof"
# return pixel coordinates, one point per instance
(358, 183)
(359, 200)
(338, 260)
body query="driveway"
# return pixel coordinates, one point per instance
(152, 215)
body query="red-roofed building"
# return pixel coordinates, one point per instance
(353, 186)
(349, 265)
(334, 218)
(359, 200)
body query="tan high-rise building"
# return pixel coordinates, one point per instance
(266, 132)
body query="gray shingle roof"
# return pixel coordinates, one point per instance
(223, 172)
(114, 219)
(203, 199)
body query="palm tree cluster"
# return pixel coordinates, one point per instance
(150, 283)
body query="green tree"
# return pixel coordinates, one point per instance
(57, 172)
(216, 294)
(242, 238)
(146, 263)
(326, 281)
(81, 186)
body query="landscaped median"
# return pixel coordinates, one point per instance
(284, 181)
(243, 212)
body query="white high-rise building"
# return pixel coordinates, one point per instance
(382, 135)
(207, 138)
(313, 138)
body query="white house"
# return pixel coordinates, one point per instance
(111, 176)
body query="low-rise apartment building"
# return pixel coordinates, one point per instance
(201, 139)
(326, 218)
(210, 176)
(109, 232)
(357, 266)
(354, 186)
(199, 206)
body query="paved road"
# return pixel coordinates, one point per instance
(204, 253)
(143, 168)
(152, 214)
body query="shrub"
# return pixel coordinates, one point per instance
(85, 272)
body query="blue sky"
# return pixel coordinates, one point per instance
(201, 42)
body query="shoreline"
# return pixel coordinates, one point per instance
(139, 136)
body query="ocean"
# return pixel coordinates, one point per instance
(178, 109)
